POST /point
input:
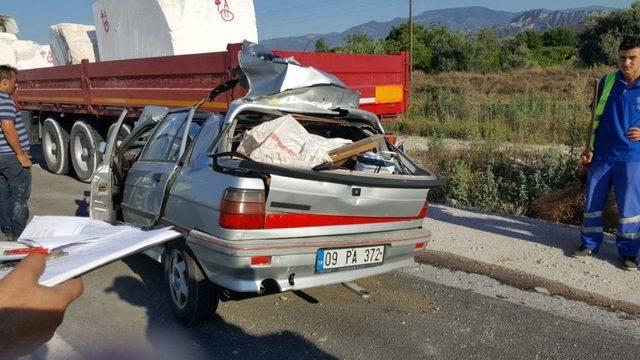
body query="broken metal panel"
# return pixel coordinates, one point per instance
(284, 82)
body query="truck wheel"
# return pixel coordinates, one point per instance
(194, 299)
(55, 141)
(125, 130)
(83, 146)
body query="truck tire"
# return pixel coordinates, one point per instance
(55, 142)
(83, 150)
(193, 298)
(124, 132)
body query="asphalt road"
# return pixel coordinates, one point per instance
(411, 314)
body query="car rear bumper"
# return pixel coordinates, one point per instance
(228, 263)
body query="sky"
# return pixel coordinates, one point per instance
(280, 18)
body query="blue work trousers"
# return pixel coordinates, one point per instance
(15, 189)
(625, 179)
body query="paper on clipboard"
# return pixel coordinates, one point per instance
(88, 244)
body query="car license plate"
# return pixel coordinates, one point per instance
(328, 260)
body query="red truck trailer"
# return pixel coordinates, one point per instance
(71, 108)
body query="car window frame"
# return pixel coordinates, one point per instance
(157, 129)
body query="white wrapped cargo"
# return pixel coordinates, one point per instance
(70, 43)
(148, 28)
(8, 25)
(284, 141)
(31, 55)
(7, 55)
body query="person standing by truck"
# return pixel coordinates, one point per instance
(613, 158)
(15, 161)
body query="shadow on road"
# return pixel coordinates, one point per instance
(565, 238)
(83, 205)
(217, 339)
(37, 155)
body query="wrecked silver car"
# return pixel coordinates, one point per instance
(309, 211)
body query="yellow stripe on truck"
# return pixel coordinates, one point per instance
(389, 94)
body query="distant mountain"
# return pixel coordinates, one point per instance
(543, 20)
(464, 19)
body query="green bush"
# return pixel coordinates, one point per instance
(492, 177)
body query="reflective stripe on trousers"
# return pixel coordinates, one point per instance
(623, 177)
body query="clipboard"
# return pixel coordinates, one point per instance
(80, 245)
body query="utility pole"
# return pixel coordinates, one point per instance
(410, 47)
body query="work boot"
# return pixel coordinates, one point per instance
(629, 263)
(583, 251)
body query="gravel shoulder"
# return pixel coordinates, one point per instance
(530, 254)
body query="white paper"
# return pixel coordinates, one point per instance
(89, 244)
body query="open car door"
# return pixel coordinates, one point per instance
(101, 199)
(146, 182)
(103, 185)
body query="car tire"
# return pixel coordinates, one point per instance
(83, 150)
(193, 298)
(55, 143)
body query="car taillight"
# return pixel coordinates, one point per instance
(242, 209)
(424, 211)
(420, 246)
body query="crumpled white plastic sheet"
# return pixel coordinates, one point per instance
(283, 141)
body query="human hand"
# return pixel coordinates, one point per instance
(30, 313)
(586, 157)
(25, 160)
(634, 134)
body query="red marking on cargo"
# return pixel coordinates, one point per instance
(225, 13)
(105, 20)
(281, 145)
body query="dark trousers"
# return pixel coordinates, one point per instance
(15, 189)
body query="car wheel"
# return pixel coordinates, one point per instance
(193, 298)
(83, 145)
(55, 141)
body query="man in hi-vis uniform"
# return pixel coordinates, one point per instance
(614, 158)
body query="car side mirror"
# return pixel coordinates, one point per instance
(102, 147)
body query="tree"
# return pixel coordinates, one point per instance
(560, 36)
(485, 52)
(322, 46)
(520, 58)
(398, 40)
(449, 50)
(530, 38)
(598, 42)
(361, 44)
